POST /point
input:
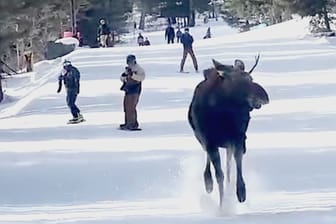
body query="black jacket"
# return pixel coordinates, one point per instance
(70, 79)
(170, 33)
(103, 30)
(187, 40)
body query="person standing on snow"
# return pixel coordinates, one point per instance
(178, 35)
(170, 34)
(140, 40)
(132, 78)
(70, 77)
(207, 34)
(187, 41)
(103, 33)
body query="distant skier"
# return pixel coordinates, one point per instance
(146, 42)
(207, 34)
(140, 40)
(187, 41)
(103, 33)
(70, 77)
(178, 35)
(132, 78)
(2, 74)
(170, 34)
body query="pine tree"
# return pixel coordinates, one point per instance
(30, 24)
(321, 8)
(115, 12)
(13, 12)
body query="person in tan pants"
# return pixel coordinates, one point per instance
(103, 33)
(132, 79)
(187, 41)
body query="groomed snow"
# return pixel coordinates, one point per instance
(52, 172)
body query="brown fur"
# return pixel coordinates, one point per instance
(219, 115)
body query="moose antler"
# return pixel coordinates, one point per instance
(256, 63)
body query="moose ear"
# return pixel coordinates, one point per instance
(216, 63)
(222, 69)
(239, 64)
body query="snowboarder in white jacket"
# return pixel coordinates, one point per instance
(132, 79)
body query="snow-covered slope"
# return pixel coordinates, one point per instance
(93, 173)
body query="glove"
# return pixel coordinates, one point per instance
(123, 78)
(128, 70)
(59, 84)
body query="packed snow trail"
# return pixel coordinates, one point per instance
(91, 172)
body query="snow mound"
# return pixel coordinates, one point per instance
(68, 41)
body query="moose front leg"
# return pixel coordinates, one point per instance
(216, 161)
(208, 182)
(229, 153)
(238, 155)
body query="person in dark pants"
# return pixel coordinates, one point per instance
(178, 35)
(132, 78)
(2, 73)
(170, 34)
(146, 42)
(187, 41)
(140, 40)
(70, 77)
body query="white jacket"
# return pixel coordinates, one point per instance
(138, 73)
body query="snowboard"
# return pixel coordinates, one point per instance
(185, 72)
(76, 122)
(125, 129)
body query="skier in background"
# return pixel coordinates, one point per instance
(146, 42)
(103, 33)
(178, 35)
(140, 40)
(207, 34)
(187, 41)
(170, 34)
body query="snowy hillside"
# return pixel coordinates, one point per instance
(52, 172)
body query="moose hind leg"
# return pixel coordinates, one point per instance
(241, 190)
(208, 182)
(216, 161)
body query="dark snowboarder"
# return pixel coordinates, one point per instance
(2, 73)
(207, 34)
(178, 35)
(187, 41)
(70, 77)
(170, 34)
(146, 42)
(140, 40)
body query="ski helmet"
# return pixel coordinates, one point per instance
(130, 58)
(66, 64)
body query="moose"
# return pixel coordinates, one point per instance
(219, 114)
